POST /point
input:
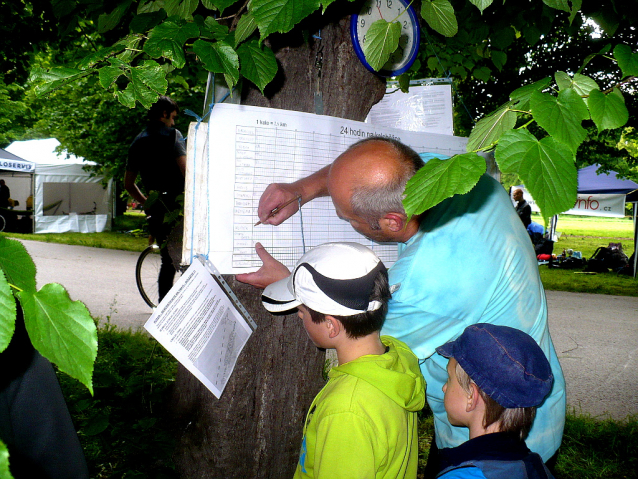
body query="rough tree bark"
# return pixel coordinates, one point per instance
(254, 430)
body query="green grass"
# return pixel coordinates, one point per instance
(125, 428)
(115, 239)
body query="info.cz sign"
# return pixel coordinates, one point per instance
(589, 205)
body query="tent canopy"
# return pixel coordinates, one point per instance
(65, 197)
(606, 183)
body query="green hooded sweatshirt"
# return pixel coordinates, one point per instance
(363, 423)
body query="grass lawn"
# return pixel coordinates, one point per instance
(586, 234)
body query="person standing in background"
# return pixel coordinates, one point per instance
(158, 155)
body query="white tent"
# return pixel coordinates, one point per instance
(65, 197)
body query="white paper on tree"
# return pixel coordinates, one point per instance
(243, 149)
(199, 323)
(423, 108)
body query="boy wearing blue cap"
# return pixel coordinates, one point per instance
(497, 376)
(363, 423)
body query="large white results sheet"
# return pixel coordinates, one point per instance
(242, 151)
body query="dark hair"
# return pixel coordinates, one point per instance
(372, 203)
(363, 324)
(514, 420)
(163, 104)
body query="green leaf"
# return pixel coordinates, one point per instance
(580, 83)
(280, 15)
(245, 28)
(180, 8)
(382, 39)
(55, 78)
(209, 4)
(219, 57)
(100, 55)
(547, 168)
(97, 423)
(627, 61)
(17, 265)
(489, 129)
(521, 95)
(108, 21)
(561, 116)
(150, 6)
(148, 81)
(132, 48)
(167, 40)
(558, 4)
(607, 111)
(404, 82)
(258, 63)
(211, 28)
(575, 8)
(7, 313)
(532, 34)
(481, 4)
(4, 461)
(439, 14)
(61, 330)
(223, 4)
(440, 179)
(482, 73)
(499, 59)
(108, 75)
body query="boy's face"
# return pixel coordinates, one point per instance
(456, 398)
(316, 332)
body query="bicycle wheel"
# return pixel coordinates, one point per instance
(3, 223)
(146, 273)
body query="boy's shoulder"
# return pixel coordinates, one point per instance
(378, 382)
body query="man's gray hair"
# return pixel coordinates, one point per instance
(373, 202)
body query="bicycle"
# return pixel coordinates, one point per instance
(146, 273)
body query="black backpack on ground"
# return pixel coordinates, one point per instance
(606, 258)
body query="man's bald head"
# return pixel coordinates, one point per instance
(371, 175)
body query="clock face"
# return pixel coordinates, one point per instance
(390, 10)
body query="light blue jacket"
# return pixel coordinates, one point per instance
(472, 262)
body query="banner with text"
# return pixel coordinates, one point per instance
(588, 205)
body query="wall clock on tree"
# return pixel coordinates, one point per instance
(382, 27)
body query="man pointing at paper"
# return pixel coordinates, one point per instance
(462, 262)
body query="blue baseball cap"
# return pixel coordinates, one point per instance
(504, 362)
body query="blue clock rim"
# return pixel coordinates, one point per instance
(354, 18)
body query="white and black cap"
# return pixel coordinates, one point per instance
(333, 278)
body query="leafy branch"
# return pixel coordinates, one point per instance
(546, 165)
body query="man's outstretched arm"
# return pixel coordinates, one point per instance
(310, 187)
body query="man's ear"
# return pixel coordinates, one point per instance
(473, 398)
(394, 222)
(334, 326)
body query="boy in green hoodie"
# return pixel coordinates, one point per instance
(363, 423)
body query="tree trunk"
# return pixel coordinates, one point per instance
(254, 430)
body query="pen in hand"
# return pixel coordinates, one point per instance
(280, 207)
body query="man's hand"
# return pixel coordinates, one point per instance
(270, 272)
(275, 195)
